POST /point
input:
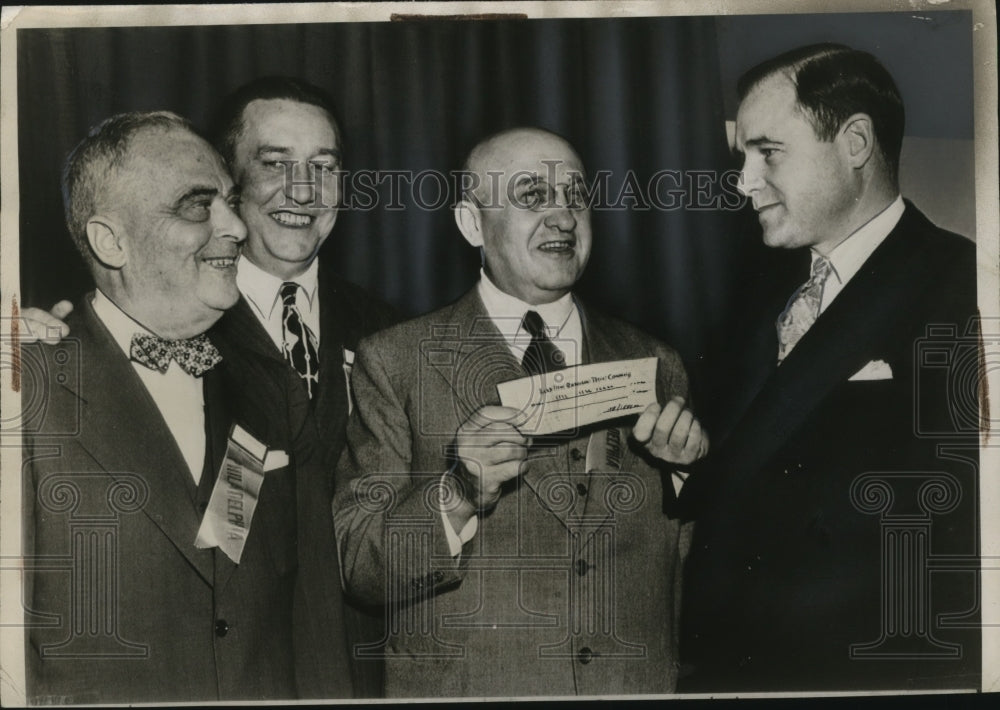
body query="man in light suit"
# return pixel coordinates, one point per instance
(850, 458)
(123, 444)
(515, 565)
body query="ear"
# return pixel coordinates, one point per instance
(469, 219)
(105, 238)
(858, 135)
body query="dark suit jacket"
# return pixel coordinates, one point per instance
(791, 571)
(570, 585)
(325, 666)
(122, 606)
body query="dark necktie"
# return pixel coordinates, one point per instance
(195, 356)
(541, 355)
(299, 341)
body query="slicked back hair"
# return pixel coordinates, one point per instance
(832, 83)
(228, 125)
(93, 165)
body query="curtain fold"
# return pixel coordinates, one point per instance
(636, 94)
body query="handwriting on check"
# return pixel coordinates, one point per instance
(577, 396)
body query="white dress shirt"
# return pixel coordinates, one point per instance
(565, 329)
(178, 395)
(848, 257)
(263, 292)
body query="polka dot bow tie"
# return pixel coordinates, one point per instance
(195, 356)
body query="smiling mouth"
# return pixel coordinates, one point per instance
(561, 246)
(766, 207)
(220, 262)
(292, 219)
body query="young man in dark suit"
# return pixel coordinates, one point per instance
(515, 565)
(847, 461)
(121, 462)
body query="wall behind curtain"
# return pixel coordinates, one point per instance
(641, 94)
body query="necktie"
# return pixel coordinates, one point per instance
(541, 355)
(299, 341)
(803, 308)
(195, 356)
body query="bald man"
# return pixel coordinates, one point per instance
(513, 564)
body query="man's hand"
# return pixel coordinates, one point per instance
(672, 433)
(45, 326)
(490, 450)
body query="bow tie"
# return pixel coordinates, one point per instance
(195, 356)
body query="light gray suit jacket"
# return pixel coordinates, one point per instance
(571, 584)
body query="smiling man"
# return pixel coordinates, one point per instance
(794, 580)
(120, 471)
(515, 565)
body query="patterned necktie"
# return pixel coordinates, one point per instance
(803, 308)
(541, 354)
(300, 343)
(195, 356)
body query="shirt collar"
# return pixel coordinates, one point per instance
(848, 256)
(262, 289)
(121, 326)
(507, 311)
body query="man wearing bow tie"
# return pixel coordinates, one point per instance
(122, 605)
(850, 456)
(515, 565)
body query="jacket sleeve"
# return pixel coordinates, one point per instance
(386, 515)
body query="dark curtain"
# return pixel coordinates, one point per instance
(632, 94)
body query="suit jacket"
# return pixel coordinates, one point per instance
(325, 665)
(798, 577)
(121, 605)
(570, 585)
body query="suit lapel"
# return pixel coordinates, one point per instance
(331, 405)
(843, 339)
(218, 425)
(125, 433)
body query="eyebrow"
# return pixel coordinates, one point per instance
(194, 193)
(332, 152)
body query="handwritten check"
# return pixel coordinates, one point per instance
(580, 395)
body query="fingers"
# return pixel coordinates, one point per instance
(44, 326)
(61, 310)
(672, 433)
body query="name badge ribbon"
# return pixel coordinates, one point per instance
(580, 395)
(237, 489)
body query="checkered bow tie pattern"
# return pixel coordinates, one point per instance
(195, 356)
(300, 344)
(803, 308)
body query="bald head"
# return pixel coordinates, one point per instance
(525, 209)
(511, 150)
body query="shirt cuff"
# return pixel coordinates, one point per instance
(678, 478)
(468, 531)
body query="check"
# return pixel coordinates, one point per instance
(580, 395)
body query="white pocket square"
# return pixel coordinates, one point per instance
(874, 370)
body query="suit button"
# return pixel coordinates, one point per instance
(585, 655)
(221, 628)
(576, 454)
(581, 489)
(582, 567)
(438, 576)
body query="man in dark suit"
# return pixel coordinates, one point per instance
(849, 461)
(282, 143)
(515, 565)
(283, 146)
(124, 442)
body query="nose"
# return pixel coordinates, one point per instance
(300, 183)
(751, 178)
(560, 216)
(228, 224)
